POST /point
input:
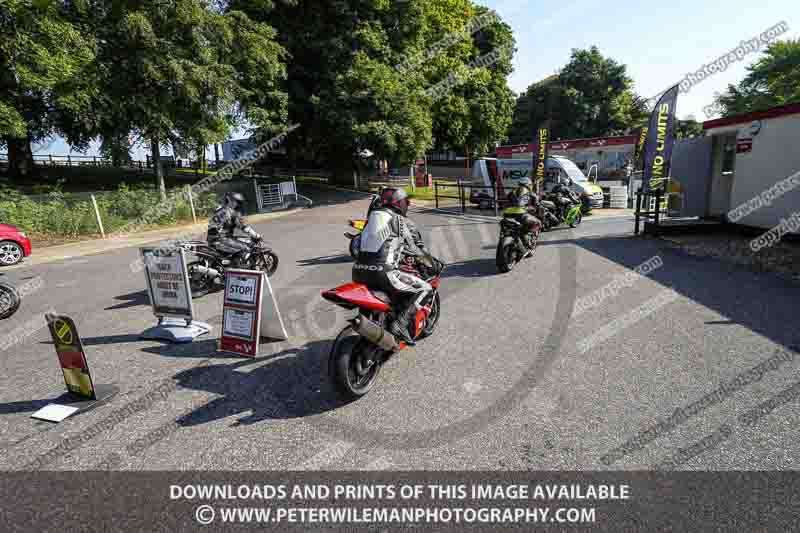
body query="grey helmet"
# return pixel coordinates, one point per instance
(235, 201)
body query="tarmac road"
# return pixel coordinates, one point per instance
(510, 380)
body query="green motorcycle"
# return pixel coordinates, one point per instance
(554, 211)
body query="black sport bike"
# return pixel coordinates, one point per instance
(208, 271)
(514, 243)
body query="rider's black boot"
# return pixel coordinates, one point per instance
(402, 323)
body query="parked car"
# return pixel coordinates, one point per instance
(14, 245)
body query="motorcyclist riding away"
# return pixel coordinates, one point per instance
(223, 224)
(374, 204)
(563, 197)
(388, 239)
(524, 203)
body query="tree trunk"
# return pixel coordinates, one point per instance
(343, 170)
(156, 152)
(115, 151)
(20, 157)
(216, 154)
(202, 158)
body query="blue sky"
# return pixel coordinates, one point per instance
(659, 42)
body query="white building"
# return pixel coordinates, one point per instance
(232, 150)
(749, 154)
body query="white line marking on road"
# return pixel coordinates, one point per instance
(486, 236)
(441, 245)
(608, 217)
(332, 452)
(457, 237)
(472, 387)
(381, 463)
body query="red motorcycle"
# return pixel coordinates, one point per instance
(361, 349)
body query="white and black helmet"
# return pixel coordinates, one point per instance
(234, 200)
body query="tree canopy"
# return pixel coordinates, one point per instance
(592, 96)
(44, 57)
(771, 81)
(394, 78)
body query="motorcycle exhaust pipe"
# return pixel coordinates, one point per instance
(206, 271)
(374, 333)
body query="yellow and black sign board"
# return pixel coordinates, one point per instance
(71, 356)
(543, 139)
(659, 143)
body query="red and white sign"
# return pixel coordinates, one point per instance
(241, 312)
(507, 151)
(744, 145)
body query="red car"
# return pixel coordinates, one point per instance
(14, 245)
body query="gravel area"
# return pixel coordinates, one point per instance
(782, 258)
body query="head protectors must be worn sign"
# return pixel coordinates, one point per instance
(168, 282)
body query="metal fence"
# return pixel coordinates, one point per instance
(276, 196)
(650, 207)
(176, 167)
(465, 197)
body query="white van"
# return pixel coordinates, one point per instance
(557, 169)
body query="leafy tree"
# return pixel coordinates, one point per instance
(44, 55)
(771, 81)
(478, 111)
(115, 148)
(341, 83)
(182, 69)
(591, 96)
(538, 103)
(347, 91)
(688, 128)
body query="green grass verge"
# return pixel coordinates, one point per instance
(69, 215)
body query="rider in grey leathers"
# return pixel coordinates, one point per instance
(387, 240)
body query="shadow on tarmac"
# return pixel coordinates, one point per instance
(9, 408)
(760, 302)
(132, 299)
(290, 384)
(471, 268)
(326, 260)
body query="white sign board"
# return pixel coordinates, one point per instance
(168, 282)
(239, 323)
(249, 313)
(271, 320)
(54, 412)
(241, 290)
